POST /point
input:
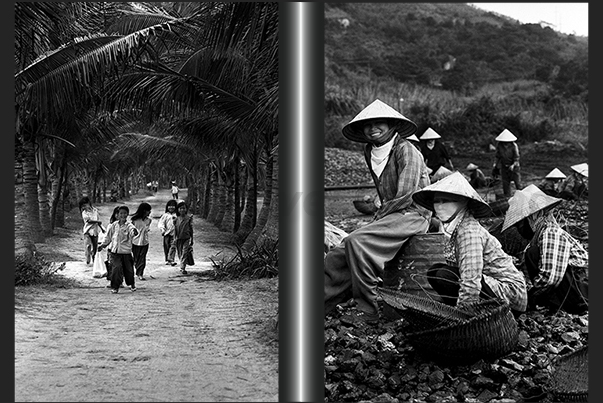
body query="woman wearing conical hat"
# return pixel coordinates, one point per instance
(352, 269)
(476, 266)
(507, 161)
(415, 141)
(477, 179)
(575, 185)
(435, 152)
(555, 262)
(550, 183)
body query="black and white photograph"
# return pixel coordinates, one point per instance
(456, 202)
(146, 203)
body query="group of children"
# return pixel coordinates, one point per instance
(127, 241)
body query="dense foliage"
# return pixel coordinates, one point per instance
(454, 46)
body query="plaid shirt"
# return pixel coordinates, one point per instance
(404, 173)
(477, 253)
(558, 250)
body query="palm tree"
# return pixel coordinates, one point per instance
(180, 61)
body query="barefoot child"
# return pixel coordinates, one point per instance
(183, 234)
(120, 235)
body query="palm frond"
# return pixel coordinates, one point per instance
(50, 81)
(166, 91)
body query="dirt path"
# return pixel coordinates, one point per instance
(179, 337)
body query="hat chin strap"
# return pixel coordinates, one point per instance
(452, 217)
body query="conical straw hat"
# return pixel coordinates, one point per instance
(582, 169)
(377, 109)
(430, 134)
(471, 166)
(555, 174)
(506, 136)
(455, 184)
(413, 137)
(526, 202)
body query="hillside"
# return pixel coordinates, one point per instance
(464, 72)
(453, 46)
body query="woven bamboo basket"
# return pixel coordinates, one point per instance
(422, 312)
(449, 335)
(569, 382)
(365, 207)
(408, 269)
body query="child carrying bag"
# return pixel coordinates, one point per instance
(99, 269)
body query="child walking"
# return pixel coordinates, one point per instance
(113, 218)
(183, 235)
(174, 190)
(91, 227)
(140, 243)
(166, 226)
(120, 235)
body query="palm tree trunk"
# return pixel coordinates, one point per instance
(222, 192)
(94, 196)
(24, 243)
(228, 219)
(252, 238)
(33, 228)
(44, 206)
(215, 198)
(59, 219)
(237, 198)
(78, 189)
(208, 191)
(270, 232)
(43, 203)
(57, 186)
(251, 210)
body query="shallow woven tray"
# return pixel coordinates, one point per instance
(422, 313)
(365, 207)
(569, 382)
(446, 334)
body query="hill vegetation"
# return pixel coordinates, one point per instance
(465, 72)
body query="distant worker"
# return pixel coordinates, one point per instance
(575, 185)
(507, 162)
(414, 140)
(550, 183)
(435, 152)
(477, 179)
